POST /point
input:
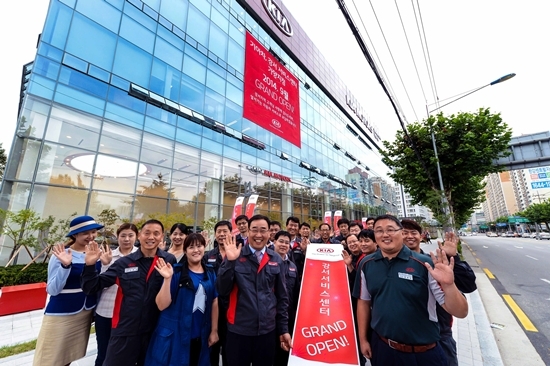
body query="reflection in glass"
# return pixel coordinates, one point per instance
(100, 201)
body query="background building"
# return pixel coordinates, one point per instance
(531, 186)
(500, 198)
(405, 208)
(161, 106)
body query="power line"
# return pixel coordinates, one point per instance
(423, 52)
(427, 51)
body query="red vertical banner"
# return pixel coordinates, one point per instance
(271, 93)
(337, 216)
(237, 210)
(251, 205)
(328, 217)
(324, 332)
(364, 222)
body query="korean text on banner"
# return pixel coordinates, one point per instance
(237, 210)
(328, 217)
(324, 333)
(271, 93)
(364, 222)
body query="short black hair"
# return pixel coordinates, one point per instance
(370, 218)
(183, 228)
(152, 222)
(192, 239)
(350, 235)
(411, 225)
(323, 224)
(273, 223)
(354, 223)
(305, 224)
(257, 218)
(389, 217)
(366, 233)
(241, 217)
(293, 219)
(282, 233)
(342, 221)
(223, 223)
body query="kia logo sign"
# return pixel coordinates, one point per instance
(276, 123)
(325, 250)
(278, 17)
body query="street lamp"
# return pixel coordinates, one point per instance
(441, 187)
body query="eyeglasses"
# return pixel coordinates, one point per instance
(390, 231)
(261, 231)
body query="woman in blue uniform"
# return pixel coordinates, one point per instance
(188, 302)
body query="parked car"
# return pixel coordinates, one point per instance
(509, 234)
(492, 235)
(526, 235)
(543, 235)
(533, 235)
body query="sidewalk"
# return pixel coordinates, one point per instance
(475, 341)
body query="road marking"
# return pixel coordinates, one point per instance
(489, 274)
(485, 247)
(538, 247)
(478, 261)
(474, 253)
(518, 247)
(528, 256)
(524, 320)
(545, 280)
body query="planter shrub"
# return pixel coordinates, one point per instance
(12, 275)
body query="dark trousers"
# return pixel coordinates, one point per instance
(102, 335)
(245, 350)
(449, 348)
(195, 351)
(127, 351)
(384, 355)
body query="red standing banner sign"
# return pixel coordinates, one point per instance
(271, 93)
(324, 332)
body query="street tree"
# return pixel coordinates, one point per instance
(538, 213)
(3, 159)
(467, 145)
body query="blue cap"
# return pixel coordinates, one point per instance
(83, 223)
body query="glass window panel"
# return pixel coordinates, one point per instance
(124, 115)
(175, 11)
(194, 69)
(79, 100)
(168, 53)
(100, 12)
(156, 150)
(58, 202)
(161, 114)
(211, 165)
(55, 166)
(53, 53)
(198, 25)
(137, 34)
(122, 98)
(14, 196)
(75, 62)
(170, 37)
(57, 26)
(193, 139)
(210, 145)
(155, 184)
(141, 18)
(192, 94)
(72, 128)
(159, 128)
(214, 105)
(234, 94)
(132, 63)
(194, 53)
(83, 82)
(28, 158)
(126, 180)
(235, 56)
(91, 42)
(220, 20)
(233, 116)
(184, 185)
(100, 201)
(153, 4)
(45, 67)
(203, 5)
(218, 42)
(41, 86)
(165, 80)
(98, 73)
(186, 159)
(120, 140)
(215, 82)
(33, 120)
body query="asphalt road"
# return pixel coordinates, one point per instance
(521, 267)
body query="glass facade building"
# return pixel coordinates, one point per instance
(137, 106)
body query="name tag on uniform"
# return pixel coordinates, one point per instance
(405, 276)
(211, 259)
(131, 269)
(273, 263)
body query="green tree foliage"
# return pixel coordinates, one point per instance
(108, 218)
(467, 144)
(22, 228)
(3, 159)
(538, 213)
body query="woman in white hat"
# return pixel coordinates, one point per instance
(65, 330)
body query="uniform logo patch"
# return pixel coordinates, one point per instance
(131, 269)
(242, 259)
(273, 263)
(409, 270)
(405, 276)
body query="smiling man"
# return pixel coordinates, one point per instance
(136, 313)
(252, 277)
(396, 283)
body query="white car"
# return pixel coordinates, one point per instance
(493, 235)
(543, 235)
(525, 235)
